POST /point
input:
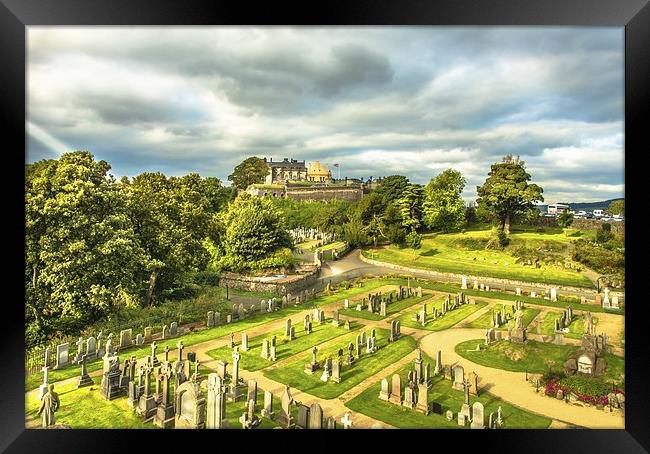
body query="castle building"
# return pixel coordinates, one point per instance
(285, 170)
(319, 173)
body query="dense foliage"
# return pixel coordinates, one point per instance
(443, 207)
(507, 192)
(250, 171)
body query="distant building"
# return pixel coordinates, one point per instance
(557, 208)
(318, 173)
(285, 170)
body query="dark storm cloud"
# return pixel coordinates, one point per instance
(411, 100)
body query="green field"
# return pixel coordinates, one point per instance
(293, 373)
(368, 403)
(391, 308)
(442, 322)
(251, 360)
(463, 253)
(576, 328)
(485, 320)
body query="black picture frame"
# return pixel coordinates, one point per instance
(634, 15)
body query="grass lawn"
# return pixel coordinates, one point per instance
(576, 328)
(293, 375)
(368, 403)
(534, 357)
(453, 253)
(485, 320)
(251, 360)
(442, 322)
(391, 308)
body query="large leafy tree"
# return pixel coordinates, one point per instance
(392, 187)
(172, 218)
(507, 192)
(443, 207)
(410, 207)
(82, 254)
(251, 170)
(254, 231)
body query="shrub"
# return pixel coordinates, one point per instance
(414, 240)
(498, 240)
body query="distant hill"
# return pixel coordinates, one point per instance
(586, 206)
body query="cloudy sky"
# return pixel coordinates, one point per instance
(377, 100)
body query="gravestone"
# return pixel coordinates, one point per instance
(459, 377)
(285, 419)
(438, 367)
(210, 323)
(553, 297)
(244, 342)
(423, 399)
(165, 332)
(303, 417)
(62, 359)
(449, 415)
(463, 284)
(216, 404)
(125, 338)
(252, 392)
(222, 369)
(91, 348)
(396, 390)
(217, 319)
(139, 340)
(265, 349)
(267, 411)
(190, 406)
(436, 407)
(335, 318)
(315, 416)
(477, 416)
(84, 379)
(384, 392)
(336, 370)
(148, 335)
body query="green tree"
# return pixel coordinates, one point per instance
(565, 219)
(507, 192)
(172, 218)
(254, 231)
(354, 233)
(616, 207)
(410, 207)
(392, 187)
(443, 207)
(251, 170)
(82, 255)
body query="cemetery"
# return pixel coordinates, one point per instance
(502, 317)
(356, 363)
(319, 348)
(253, 357)
(442, 398)
(441, 313)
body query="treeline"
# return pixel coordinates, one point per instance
(95, 244)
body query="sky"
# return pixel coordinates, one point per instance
(376, 100)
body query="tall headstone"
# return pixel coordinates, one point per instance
(216, 404)
(285, 419)
(396, 390)
(315, 416)
(244, 342)
(62, 358)
(478, 419)
(267, 411)
(423, 399)
(384, 392)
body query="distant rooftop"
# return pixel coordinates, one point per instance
(286, 162)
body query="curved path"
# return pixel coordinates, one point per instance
(512, 386)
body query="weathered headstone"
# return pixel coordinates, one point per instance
(315, 416)
(62, 358)
(478, 421)
(396, 390)
(216, 404)
(125, 338)
(267, 411)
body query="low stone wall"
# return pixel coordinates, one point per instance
(290, 284)
(470, 278)
(351, 194)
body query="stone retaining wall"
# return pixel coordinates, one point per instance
(292, 284)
